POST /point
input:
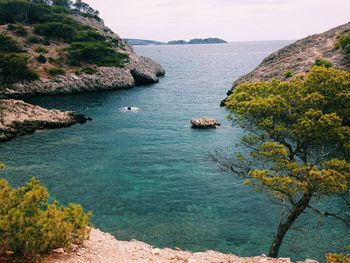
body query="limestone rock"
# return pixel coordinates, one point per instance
(19, 118)
(204, 122)
(299, 57)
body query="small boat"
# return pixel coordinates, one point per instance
(130, 109)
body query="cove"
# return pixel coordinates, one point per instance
(144, 174)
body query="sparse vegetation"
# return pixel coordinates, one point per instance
(53, 21)
(288, 73)
(9, 45)
(344, 43)
(323, 62)
(55, 71)
(40, 49)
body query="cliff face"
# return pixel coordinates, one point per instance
(138, 70)
(299, 57)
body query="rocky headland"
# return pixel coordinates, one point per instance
(104, 248)
(19, 118)
(299, 57)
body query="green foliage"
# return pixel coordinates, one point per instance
(40, 49)
(13, 68)
(300, 140)
(99, 53)
(30, 224)
(56, 30)
(323, 62)
(338, 258)
(8, 44)
(344, 43)
(55, 71)
(41, 59)
(87, 70)
(288, 73)
(34, 40)
(21, 31)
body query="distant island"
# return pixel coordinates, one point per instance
(175, 42)
(136, 42)
(198, 41)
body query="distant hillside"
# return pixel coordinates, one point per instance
(136, 42)
(331, 47)
(175, 42)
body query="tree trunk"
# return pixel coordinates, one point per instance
(285, 225)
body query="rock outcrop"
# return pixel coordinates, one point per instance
(20, 118)
(103, 247)
(299, 57)
(204, 123)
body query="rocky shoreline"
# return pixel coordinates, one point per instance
(20, 118)
(104, 248)
(298, 58)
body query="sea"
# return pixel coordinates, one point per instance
(146, 175)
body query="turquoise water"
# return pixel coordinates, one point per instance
(145, 175)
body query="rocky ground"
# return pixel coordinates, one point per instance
(104, 248)
(299, 57)
(19, 118)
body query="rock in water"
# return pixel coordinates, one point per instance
(204, 122)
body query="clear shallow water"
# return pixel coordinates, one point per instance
(144, 174)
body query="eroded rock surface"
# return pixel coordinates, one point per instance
(299, 57)
(204, 123)
(20, 118)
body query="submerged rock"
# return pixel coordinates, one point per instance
(204, 122)
(20, 118)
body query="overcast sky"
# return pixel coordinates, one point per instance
(232, 20)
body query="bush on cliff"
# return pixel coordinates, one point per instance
(30, 224)
(8, 44)
(298, 137)
(14, 68)
(98, 53)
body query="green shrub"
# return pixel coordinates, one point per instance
(55, 71)
(288, 73)
(21, 31)
(58, 30)
(99, 53)
(30, 224)
(41, 59)
(34, 40)
(323, 62)
(344, 43)
(8, 44)
(13, 68)
(40, 49)
(86, 70)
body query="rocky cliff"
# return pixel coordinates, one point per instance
(19, 118)
(299, 57)
(138, 70)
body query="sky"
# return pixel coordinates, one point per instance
(232, 20)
